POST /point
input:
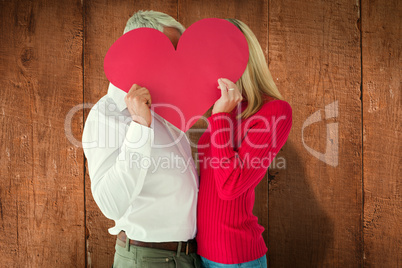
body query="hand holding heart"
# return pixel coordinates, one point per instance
(138, 102)
(230, 97)
(182, 81)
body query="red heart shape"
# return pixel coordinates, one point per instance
(182, 82)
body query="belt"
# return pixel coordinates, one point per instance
(188, 247)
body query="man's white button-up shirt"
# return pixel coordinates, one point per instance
(143, 178)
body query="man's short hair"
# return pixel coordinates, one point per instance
(152, 19)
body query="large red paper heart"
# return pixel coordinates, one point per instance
(182, 82)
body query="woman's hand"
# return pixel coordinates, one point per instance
(138, 102)
(230, 97)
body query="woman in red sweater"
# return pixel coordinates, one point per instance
(248, 126)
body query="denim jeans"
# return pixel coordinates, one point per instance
(258, 263)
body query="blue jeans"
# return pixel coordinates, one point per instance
(258, 263)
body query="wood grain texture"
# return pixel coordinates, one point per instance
(41, 188)
(315, 209)
(317, 217)
(254, 13)
(104, 24)
(381, 34)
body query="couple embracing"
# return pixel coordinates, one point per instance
(169, 216)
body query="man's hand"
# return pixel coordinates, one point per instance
(138, 102)
(230, 97)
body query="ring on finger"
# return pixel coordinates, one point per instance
(231, 89)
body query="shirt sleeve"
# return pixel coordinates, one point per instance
(116, 163)
(264, 135)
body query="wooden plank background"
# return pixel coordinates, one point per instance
(381, 49)
(316, 209)
(42, 190)
(341, 53)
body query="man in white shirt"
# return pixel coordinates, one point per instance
(141, 170)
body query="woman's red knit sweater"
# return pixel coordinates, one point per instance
(234, 156)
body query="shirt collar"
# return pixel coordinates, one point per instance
(117, 95)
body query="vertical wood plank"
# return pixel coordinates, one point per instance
(381, 34)
(315, 209)
(104, 24)
(41, 188)
(254, 13)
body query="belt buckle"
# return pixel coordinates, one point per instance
(187, 248)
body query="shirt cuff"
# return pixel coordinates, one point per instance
(139, 136)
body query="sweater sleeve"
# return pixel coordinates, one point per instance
(264, 135)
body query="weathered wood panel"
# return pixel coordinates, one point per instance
(41, 188)
(254, 13)
(315, 209)
(104, 24)
(381, 34)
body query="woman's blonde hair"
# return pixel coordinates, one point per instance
(256, 81)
